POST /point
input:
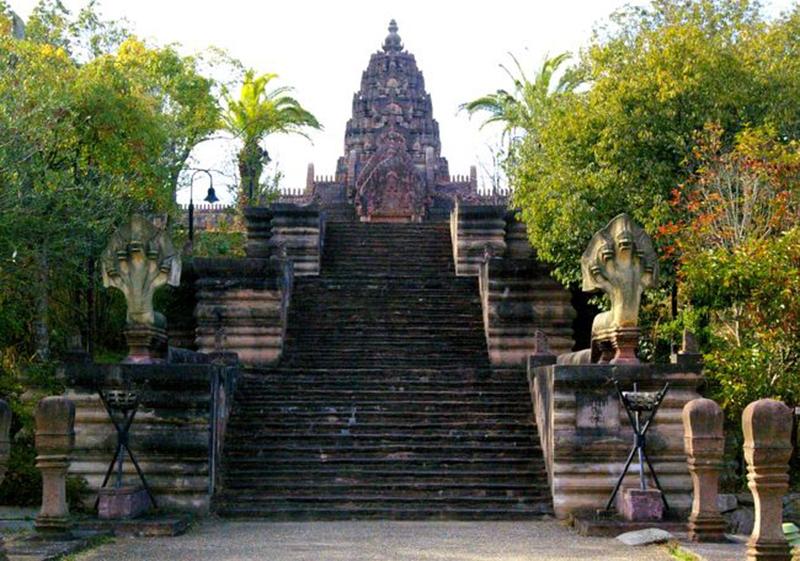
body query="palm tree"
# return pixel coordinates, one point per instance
(522, 107)
(257, 113)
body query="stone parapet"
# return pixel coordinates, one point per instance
(299, 231)
(586, 437)
(258, 221)
(519, 298)
(242, 306)
(474, 231)
(176, 436)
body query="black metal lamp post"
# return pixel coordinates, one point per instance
(211, 197)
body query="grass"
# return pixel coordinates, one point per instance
(93, 542)
(680, 554)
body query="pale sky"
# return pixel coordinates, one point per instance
(321, 48)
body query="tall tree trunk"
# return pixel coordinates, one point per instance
(40, 325)
(251, 164)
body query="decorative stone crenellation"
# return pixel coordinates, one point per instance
(138, 260)
(704, 442)
(767, 426)
(55, 438)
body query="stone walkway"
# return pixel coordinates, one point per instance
(374, 541)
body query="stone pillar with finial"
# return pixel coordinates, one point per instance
(767, 426)
(55, 438)
(704, 443)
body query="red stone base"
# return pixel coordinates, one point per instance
(122, 503)
(639, 505)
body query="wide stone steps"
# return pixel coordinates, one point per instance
(384, 404)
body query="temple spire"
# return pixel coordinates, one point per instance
(393, 41)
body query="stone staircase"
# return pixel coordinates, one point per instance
(384, 405)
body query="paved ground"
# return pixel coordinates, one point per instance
(374, 541)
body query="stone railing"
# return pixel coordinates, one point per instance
(242, 307)
(518, 295)
(299, 231)
(474, 230)
(177, 435)
(585, 435)
(519, 298)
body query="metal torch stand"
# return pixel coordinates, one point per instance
(121, 407)
(640, 414)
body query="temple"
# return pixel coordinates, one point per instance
(367, 356)
(392, 169)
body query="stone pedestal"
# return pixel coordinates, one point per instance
(55, 437)
(641, 505)
(704, 443)
(767, 426)
(147, 344)
(122, 503)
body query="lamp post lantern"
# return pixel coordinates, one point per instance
(211, 197)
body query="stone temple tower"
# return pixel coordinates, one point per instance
(392, 169)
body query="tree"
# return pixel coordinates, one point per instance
(256, 114)
(522, 108)
(654, 77)
(737, 243)
(84, 140)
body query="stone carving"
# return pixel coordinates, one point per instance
(390, 187)
(55, 438)
(621, 262)
(139, 259)
(704, 443)
(767, 426)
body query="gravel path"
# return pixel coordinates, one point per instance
(216, 540)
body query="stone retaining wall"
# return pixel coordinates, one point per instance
(242, 307)
(519, 297)
(177, 434)
(586, 436)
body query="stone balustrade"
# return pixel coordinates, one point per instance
(473, 229)
(242, 307)
(177, 435)
(585, 434)
(767, 426)
(299, 231)
(258, 221)
(519, 298)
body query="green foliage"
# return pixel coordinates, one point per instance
(523, 108)
(654, 77)
(257, 113)
(94, 124)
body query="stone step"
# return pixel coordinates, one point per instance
(423, 511)
(261, 490)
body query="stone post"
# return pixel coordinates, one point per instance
(767, 426)
(55, 437)
(704, 443)
(5, 450)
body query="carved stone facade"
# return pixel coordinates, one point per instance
(392, 169)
